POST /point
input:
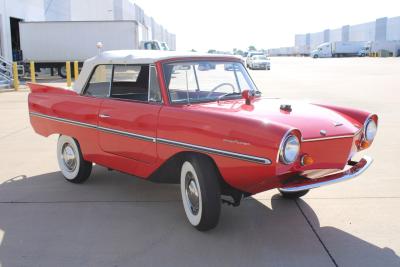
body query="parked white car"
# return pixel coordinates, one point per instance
(259, 62)
(250, 54)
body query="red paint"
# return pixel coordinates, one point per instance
(255, 130)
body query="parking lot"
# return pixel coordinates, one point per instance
(117, 220)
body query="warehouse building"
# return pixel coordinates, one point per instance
(379, 31)
(14, 11)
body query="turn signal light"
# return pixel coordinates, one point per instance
(307, 160)
(364, 144)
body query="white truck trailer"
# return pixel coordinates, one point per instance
(390, 48)
(51, 44)
(337, 49)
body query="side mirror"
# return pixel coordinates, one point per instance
(248, 96)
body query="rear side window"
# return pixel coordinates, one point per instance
(130, 82)
(100, 81)
(126, 73)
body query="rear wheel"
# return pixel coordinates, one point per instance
(200, 192)
(62, 72)
(70, 160)
(293, 195)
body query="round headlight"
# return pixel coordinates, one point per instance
(370, 130)
(290, 149)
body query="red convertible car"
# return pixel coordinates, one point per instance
(198, 121)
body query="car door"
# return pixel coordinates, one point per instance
(128, 118)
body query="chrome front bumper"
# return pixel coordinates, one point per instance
(356, 169)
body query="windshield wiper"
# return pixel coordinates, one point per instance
(257, 93)
(228, 94)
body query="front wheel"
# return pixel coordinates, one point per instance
(200, 192)
(70, 160)
(293, 195)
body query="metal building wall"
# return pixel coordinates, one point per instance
(335, 35)
(300, 40)
(327, 35)
(27, 10)
(57, 10)
(393, 29)
(380, 29)
(362, 32)
(316, 39)
(345, 33)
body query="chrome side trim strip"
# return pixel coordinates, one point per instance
(127, 134)
(215, 151)
(351, 173)
(160, 140)
(87, 125)
(332, 137)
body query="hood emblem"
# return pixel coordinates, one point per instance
(286, 107)
(337, 124)
(322, 132)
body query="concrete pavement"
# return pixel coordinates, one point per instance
(117, 220)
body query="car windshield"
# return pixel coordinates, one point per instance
(204, 81)
(260, 57)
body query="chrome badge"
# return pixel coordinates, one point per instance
(322, 132)
(337, 124)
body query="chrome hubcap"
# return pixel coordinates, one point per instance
(69, 158)
(192, 193)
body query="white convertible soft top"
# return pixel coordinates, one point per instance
(132, 57)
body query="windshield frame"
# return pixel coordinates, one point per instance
(199, 60)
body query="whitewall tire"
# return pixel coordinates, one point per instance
(70, 160)
(200, 192)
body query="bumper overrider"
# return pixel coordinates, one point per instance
(306, 184)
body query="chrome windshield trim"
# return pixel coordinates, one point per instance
(351, 173)
(209, 150)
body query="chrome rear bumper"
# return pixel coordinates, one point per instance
(357, 169)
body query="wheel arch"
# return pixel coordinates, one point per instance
(169, 172)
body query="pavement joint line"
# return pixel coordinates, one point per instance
(89, 201)
(341, 198)
(316, 234)
(151, 201)
(12, 133)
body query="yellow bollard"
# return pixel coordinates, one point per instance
(76, 70)
(15, 76)
(33, 73)
(68, 71)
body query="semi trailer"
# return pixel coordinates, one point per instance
(51, 44)
(337, 49)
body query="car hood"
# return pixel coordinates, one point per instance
(260, 61)
(309, 118)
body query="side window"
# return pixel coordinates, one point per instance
(100, 81)
(154, 90)
(130, 82)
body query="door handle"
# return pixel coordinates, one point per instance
(104, 116)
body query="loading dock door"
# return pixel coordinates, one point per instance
(15, 40)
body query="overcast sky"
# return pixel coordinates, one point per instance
(224, 24)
